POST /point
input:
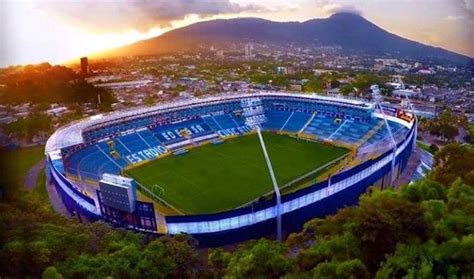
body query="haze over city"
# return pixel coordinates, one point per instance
(60, 31)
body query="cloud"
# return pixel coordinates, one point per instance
(330, 7)
(142, 15)
(465, 8)
(343, 9)
(453, 18)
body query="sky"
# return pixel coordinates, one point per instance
(58, 31)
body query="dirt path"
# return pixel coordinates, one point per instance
(32, 175)
(30, 183)
(56, 201)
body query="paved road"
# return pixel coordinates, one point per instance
(32, 175)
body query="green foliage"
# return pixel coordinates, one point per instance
(346, 89)
(470, 134)
(29, 126)
(363, 81)
(14, 166)
(454, 161)
(422, 230)
(51, 273)
(277, 80)
(433, 148)
(447, 260)
(348, 269)
(218, 261)
(260, 259)
(49, 84)
(314, 85)
(445, 126)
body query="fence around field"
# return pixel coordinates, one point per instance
(258, 219)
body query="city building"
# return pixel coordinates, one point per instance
(248, 49)
(84, 66)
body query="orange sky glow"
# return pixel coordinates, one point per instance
(39, 31)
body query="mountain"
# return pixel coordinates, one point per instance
(352, 32)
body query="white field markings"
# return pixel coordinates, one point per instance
(157, 198)
(296, 150)
(197, 188)
(297, 179)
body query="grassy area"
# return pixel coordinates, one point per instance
(15, 164)
(424, 146)
(213, 178)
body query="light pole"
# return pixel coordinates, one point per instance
(377, 97)
(274, 182)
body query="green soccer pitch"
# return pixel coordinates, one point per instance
(218, 177)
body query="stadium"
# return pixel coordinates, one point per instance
(229, 168)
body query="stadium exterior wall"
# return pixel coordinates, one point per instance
(259, 220)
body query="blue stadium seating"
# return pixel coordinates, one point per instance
(91, 163)
(352, 131)
(321, 126)
(154, 132)
(296, 122)
(276, 119)
(168, 134)
(225, 121)
(149, 137)
(383, 134)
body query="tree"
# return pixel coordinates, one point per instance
(260, 259)
(29, 126)
(51, 273)
(314, 85)
(470, 134)
(463, 121)
(218, 261)
(346, 89)
(445, 126)
(453, 161)
(448, 125)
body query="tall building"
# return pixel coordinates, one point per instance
(84, 66)
(248, 49)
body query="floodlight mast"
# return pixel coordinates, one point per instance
(410, 105)
(377, 97)
(274, 182)
(254, 114)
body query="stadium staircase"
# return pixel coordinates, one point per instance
(287, 120)
(367, 136)
(307, 123)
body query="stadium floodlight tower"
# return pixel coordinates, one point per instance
(410, 106)
(253, 112)
(377, 97)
